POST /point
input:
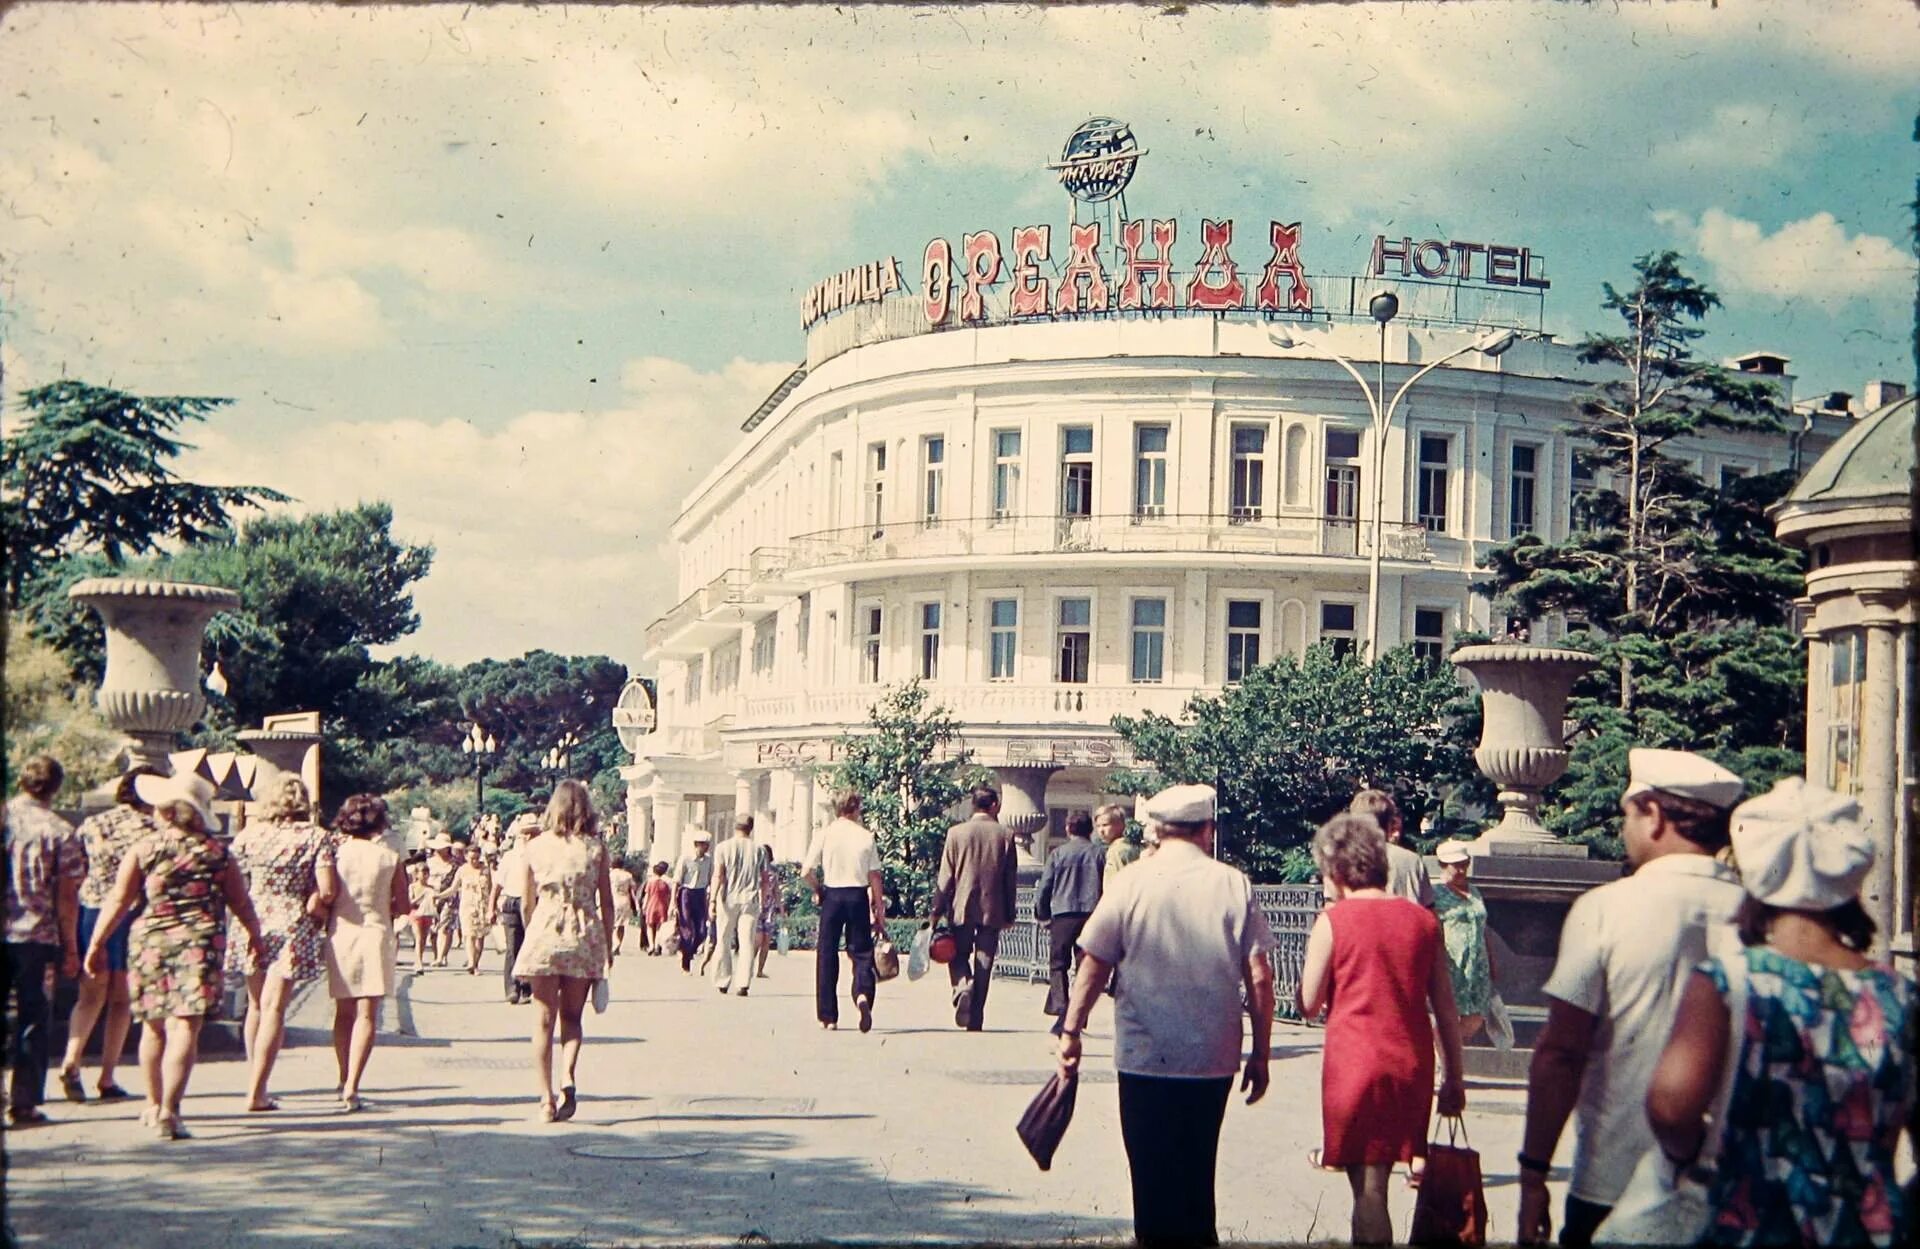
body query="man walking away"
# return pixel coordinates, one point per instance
(977, 886)
(1069, 889)
(842, 868)
(736, 905)
(509, 884)
(45, 865)
(1406, 871)
(1187, 935)
(690, 882)
(1625, 954)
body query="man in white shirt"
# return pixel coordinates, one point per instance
(1406, 871)
(509, 883)
(1625, 953)
(736, 907)
(691, 879)
(1188, 936)
(842, 868)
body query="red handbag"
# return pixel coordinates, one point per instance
(1452, 1206)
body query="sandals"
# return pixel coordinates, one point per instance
(266, 1107)
(170, 1128)
(1314, 1157)
(350, 1103)
(114, 1093)
(547, 1112)
(70, 1085)
(568, 1104)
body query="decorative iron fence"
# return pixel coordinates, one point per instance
(1290, 912)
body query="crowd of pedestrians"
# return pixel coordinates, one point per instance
(1707, 1024)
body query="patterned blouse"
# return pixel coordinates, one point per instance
(1825, 1084)
(107, 838)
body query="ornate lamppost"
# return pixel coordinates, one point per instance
(479, 746)
(557, 758)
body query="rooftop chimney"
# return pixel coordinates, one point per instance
(1837, 401)
(1879, 394)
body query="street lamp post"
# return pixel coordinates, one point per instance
(557, 758)
(478, 745)
(1383, 307)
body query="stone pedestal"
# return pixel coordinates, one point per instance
(151, 690)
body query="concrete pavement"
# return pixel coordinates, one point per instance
(702, 1119)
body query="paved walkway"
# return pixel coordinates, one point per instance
(702, 1120)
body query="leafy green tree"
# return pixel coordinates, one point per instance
(1680, 586)
(46, 712)
(531, 702)
(1292, 743)
(87, 472)
(904, 766)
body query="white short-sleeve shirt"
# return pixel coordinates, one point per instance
(1625, 954)
(844, 854)
(1180, 928)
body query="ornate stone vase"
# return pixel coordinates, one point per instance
(151, 691)
(1523, 700)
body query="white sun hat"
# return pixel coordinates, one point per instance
(196, 791)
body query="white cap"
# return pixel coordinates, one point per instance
(1182, 804)
(1801, 846)
(701, 834)
(196, 791)
(1452, 851)
(1682, 774)
(439, 841)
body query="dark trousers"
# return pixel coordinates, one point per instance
(1063, 932)
(1583, 1220)
(692, 928)
(516, 930)
(971, 971)
(27, 965)
(843, 910)
(1172, 1133)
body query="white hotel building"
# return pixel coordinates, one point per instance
(1052, 521)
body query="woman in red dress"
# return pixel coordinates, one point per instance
(1378, 961)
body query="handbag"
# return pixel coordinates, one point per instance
(1664, 1204)
(602, 994)
(1047, 1116)
(1452, 1206)
(1499, 1023)
(920, 953)
(886, 959)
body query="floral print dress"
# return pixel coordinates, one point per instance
(565, 934)
(176, 945)
(1463, 925)
(1825, 1083)
(281, 863)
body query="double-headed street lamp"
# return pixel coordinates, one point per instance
(478, 745)
(1384, 307)
(557, 758)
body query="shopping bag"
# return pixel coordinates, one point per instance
(920, 954)
(785, 939)
(1499, 1023)
(886, 959)
(602, 994)
(1047, 1117)
(1452, 1206)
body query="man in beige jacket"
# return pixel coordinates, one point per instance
(976, 890)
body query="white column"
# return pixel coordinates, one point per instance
(669, 823)
(1879, 748)
(1819, 695)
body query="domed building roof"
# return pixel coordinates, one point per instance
(1875, 457)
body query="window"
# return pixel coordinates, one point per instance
(763, 636)
(1521, 481)
(1243, 638)
(725, 668)
(1430, 633)
(870, 645)
(1149, 640)
(1846, 691)
(1337, 627)
(1730, 473)
(803, 626)
(929, 641)
(1295, 446)
(1580, 481)
(933, 471)
(1343, 474)
(1003, 631)
(1076, 471)
(876, 484)
(1150, 471)
(1006, 473)
(1436, 453)
(1247, 492)
(690, 682)
(835, 472)
(1519, 628)
(1074, 640)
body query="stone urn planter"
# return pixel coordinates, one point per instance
(1523, 700)
(151, 691)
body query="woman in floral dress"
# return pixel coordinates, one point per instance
(1824, 1081)
(441, 868)
(1463, 926)
(288, 861)
(475, 884)
(177, 942)
(568, 910)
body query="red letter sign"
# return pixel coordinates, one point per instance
(1031, 245)
(983, 269)
(1132, 234)
(1286, 260)
(1083, 261)
(936, 277)
(1216, 237)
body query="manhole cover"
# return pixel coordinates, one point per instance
(638, 1151)
(1034, 1078)
(721, 1105)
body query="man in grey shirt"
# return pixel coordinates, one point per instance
(1406, 871)
(736, 907)
(1069, 889)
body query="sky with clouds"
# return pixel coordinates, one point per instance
(522, 271)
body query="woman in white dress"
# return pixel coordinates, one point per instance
(567, 902)
(361, 948)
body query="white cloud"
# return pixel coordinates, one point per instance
(1735, 136)
(550, 531)
(1813, 260)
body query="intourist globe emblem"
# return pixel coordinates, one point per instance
(1099, 160)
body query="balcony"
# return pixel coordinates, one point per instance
(710, 615)
(1230, 535)
(980, 705)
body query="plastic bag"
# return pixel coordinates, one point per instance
(785, 938)
(1499, 1024)
(602, 994)
(886, 959)
(920, 954)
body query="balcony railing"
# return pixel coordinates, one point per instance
(732, 588)
(978, 703)
(1166, 533)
